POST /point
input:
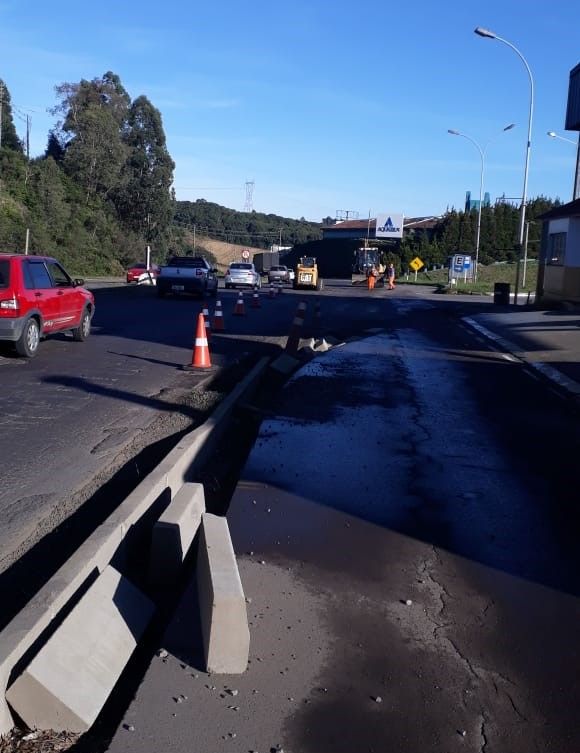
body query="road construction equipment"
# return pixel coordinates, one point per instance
(307, 275)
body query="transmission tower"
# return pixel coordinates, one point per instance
(346, 214)
(249, 204)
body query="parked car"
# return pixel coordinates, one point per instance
(38, 297)
(187, 274)
(242, 274)
(279, 273)
(138, 272)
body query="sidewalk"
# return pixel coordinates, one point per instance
(547, 341)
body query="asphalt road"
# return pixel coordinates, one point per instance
(406, 527)
(73, 415)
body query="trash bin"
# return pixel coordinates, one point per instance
(501, 294)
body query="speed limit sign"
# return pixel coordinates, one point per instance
(245, 254)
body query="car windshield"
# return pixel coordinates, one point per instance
(278, 269)
(4, 273)
(308, 261)
(138, 265)
(245, 267)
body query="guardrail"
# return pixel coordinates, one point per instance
(33, 622)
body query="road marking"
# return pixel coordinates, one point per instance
(547, 371)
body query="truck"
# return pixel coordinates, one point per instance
(263, 262)
(187, 274)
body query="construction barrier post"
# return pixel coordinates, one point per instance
(296, 328)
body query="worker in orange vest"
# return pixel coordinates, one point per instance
(391, 276)
(371, 278)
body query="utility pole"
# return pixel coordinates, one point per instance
(28, 137)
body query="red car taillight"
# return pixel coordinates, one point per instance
(10, 305)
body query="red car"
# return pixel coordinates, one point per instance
(139, 271)
(38, 297)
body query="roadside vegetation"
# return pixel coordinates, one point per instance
(487, 276)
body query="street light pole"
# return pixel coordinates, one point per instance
(482, 155)
(491, 35)
(576, 191)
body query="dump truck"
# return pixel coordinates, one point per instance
(307, 275)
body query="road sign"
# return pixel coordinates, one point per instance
(245, 254)
(416, 264)
(461, 263)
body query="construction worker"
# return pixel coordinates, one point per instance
(391, 276)
(371, 278)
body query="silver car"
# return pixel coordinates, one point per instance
(242, 274)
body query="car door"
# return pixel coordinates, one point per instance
(69, 301)
(41, 293)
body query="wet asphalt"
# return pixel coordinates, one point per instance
(406, 529)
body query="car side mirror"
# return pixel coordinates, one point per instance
(79, 281)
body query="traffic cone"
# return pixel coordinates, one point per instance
(205, 313)
(256, 299)
(272, 291)
(200, 359)
(240, 309)
(218, 317)
(296, 329)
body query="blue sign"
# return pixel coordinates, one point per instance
(461, 263)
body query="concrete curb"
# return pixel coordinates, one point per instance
(174, 533)
(222, 606)
(98, 550)
(547, 371)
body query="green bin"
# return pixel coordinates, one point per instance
(501, 294)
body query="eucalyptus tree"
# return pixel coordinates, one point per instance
(143, 199)
(90, 131)
(8, 136)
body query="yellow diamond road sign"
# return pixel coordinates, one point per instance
(416, 264)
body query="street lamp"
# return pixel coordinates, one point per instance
(482, 155)
(492, 35)
(554, 135)
(576, 191)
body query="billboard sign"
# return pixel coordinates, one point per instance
(573, 110)
(389, 226)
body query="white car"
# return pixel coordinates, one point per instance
(243, 274)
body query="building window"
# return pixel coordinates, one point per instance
(557, 248)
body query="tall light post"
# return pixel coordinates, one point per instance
(491, 35)
(482, 155)
(576, 191)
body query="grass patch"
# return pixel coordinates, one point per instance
(487, 277)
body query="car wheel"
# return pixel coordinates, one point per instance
(27, 344)
(81, 332)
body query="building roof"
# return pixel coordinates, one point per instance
(571, 209)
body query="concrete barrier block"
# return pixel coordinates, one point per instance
(173, 533)
(224, 621)
(67, 683)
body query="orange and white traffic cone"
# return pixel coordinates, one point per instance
(256, 300)
(296, 329)
(206, 321)
(200, 358)
(239, 309)
(218, 317)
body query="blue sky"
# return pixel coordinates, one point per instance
(325, 106)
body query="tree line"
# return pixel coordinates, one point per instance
(456, 232)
